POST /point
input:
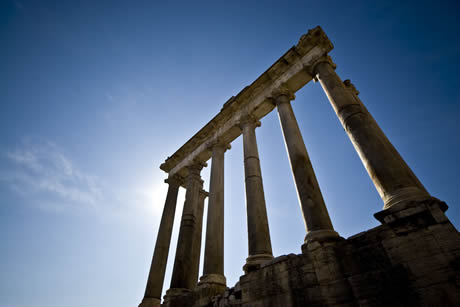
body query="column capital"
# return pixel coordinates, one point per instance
(196, 166)
(351, 87)
(311, 69)
(175, 180)
(204, 193)
(219, 144)
(194, 170)
(248, 119)
(281, 94)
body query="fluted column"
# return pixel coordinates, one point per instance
(152, 296)
(392, 177)
(184, 277)
(260, 247)
(317, 221)
(213, 267)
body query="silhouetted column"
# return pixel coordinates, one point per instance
(152, 296)
(184, 277)
(316, 217)
(394, 180)
(260, 247)
(196, 249)
(213, 266)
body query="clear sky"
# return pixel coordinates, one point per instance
(94, 95)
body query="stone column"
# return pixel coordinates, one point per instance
(316, 217)
(213, 267)
(183, 279)
(152, 296)
(394, 180)
(196, 252)
(260, 247)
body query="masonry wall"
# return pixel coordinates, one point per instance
(411, 261)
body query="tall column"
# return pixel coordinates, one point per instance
(197, 238)
(315, 215)
(392, 177)
(152, 296)
(260, 247)
(183, 279)
(213, 267)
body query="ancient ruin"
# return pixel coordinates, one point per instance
(412, 259)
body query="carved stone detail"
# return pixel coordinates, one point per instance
(281, 91)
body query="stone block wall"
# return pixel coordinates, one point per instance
(412, 260)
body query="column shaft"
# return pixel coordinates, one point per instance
(260, 248)
(214, 247)
(196, 246)
(392, 177)
(160, 255)
(183, 277)
(316, 217)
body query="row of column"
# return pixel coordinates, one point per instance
(393, 178)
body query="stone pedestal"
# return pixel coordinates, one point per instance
(434, 206)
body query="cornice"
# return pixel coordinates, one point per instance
(288, 71)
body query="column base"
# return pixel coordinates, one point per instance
(209, 286)
(175, 293)
(325, 235)
(409, 208)
(321, 235)
(254, 262)
(217, 279)
(150, 302)
(405, 195)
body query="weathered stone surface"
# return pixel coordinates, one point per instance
(398, 264)
(150, 302)
(213, 266)
(186, 262)
(288, 71)
(259, 242)
(392, 177)
(317, 221)
(412, 259)
(155, 280)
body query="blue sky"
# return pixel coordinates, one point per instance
(94, 95)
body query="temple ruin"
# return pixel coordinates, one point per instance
(411, 259)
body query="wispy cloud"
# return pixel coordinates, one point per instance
(44, 175)
(43, 169)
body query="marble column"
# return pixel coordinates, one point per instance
(317, 221)
(213, 266)
(183, 278)
(152, 296)
(392, 177)
(260, 247)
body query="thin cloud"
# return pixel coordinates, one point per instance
(43, 169)
(45, 176)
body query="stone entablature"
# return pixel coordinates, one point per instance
(290, 71)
